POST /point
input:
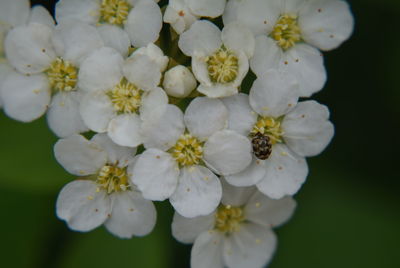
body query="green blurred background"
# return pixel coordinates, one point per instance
(348, 210)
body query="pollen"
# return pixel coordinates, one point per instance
(187, 151)
(228, 219)
(286, 31)
(270, 127)
(114, 11)
(223, 66)
(125, 97)
(62, 76)
(112, 178)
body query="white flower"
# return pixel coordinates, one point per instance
(238, 234)
(179, 82)
(282, 134)
(102, 193)
(289, 33)
(182, 153)
(48, 61)
(220, 60)
(155, 54)
(121, 96)
(141, 19)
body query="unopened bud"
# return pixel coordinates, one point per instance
(179, 82)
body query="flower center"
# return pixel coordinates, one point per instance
(62, 76)
(286, 31)
(223, 66)
(112, 179)
(125, 97)
(187, 151)
(228, 218)
(114, 11)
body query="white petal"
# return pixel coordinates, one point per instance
(227, 152)
(101, 70)
(165, 134)
(231, 11)
(235, 36)
(274, 94)
(156, 174)
(186, 230)
(155, 54)
(179, 16)
(28, 48)
(252, 247)
(326, 24)
(203, 36)
(87, 11)
(205, 116)
(241, 116)
(207, 8)
(267, 55)
(82, 207)
(79, 156)
(141, 71)
(63, 116)
(124, 130)
(144, 23)
(115, 37)
(307, 129)
(198, 193)
(235, 196)
(217, 90)
(74, 41)
(207, 251)
(269, 212)
(131, 215)
(286, 172)
(97, 111)
(154, 104)
(14, 13)
(251, 175)
(115, 154)
(40, 14)
(25, 98)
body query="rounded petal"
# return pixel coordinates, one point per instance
(307, 128)
(274, 94)
(227, 152)
(40, 14)
(202, 37)
(231, 11)
(25, 98)
(155, 173)
(28, 48)
(267, 55)
(235, 36)
(326, 24)
(204, 116)
(235, 196)
(115, 37)
(252, 246)
(141, 71)
(63, 116)
(144, 23)
(155, 54)
(207, 8)
(286, 172)
(186, 230)
(101, 70)
(87, 11)
(97, 111)
(251, 175)
(82, 207)
(14, 13)
(198, 193)
(75, 40)
(241, 116)
(207, 251)
(165, 134)
(154, 104)
(124, 130)
(217, 90)
(79, 156)
(131, 215)
(269, 212)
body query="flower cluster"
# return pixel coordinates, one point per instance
(155, 102)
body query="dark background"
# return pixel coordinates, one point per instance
(348, 212)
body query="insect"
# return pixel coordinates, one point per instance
(262, 146)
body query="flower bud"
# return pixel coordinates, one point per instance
(155, 54)
(179, 82)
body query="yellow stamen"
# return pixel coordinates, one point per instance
(270, 127)
(228, 219)
(62, 76)
(223, 66)
(126, 97)
(286, 31)
(187, 151)
(113, 179)
(114, 11)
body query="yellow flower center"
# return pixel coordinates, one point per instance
(125, 97)
(62, 76)
(112, 179)
(222, 66)
(228, 219)
(270, 127)
(114, 11)
(286, 31)
(187, 151)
